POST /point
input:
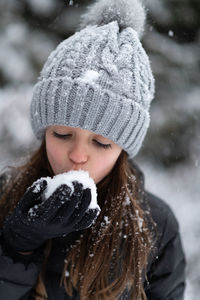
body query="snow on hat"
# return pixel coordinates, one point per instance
(100, 78)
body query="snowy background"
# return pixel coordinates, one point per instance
(170, 157)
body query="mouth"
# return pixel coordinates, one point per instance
(76, 169)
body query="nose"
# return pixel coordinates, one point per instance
(78, 154)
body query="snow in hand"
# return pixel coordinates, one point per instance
(67, 178)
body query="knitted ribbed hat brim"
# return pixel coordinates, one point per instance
(70, 103)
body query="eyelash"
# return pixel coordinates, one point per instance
(66, 136)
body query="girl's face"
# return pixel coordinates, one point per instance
(70, 148)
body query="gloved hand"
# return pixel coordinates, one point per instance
(36, 219)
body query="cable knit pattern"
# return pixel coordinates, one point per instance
(99, 79)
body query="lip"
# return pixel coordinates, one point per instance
(76, 169)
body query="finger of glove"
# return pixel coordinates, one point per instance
(88, 219)
(61, 219)
(75, 200)
(49, 209)
(39, 186)
(81, 207)
(32, 195)
(62, 192)
(60, 200)
(78, 188)
(68, 208)
(56, 201)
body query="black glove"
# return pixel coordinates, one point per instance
(36, 219)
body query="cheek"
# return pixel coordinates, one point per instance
(103, 167)
(56, 157)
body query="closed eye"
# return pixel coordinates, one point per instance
(105, 146)
(67, 136)
(61, 136)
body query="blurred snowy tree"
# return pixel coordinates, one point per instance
(173, 41)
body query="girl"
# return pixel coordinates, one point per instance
(90, 108)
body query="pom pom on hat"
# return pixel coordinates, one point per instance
(128, 13)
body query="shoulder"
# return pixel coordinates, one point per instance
(166, 264)
(166, 225)
(167, 236)
(161, 212)
(157, 209)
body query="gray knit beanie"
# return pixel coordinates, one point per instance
(100, 78)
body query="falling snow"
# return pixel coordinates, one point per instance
(171, 33)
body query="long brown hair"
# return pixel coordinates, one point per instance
(111, 256)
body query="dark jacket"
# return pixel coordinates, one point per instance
(165, 271)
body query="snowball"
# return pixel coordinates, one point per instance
(67, 178)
